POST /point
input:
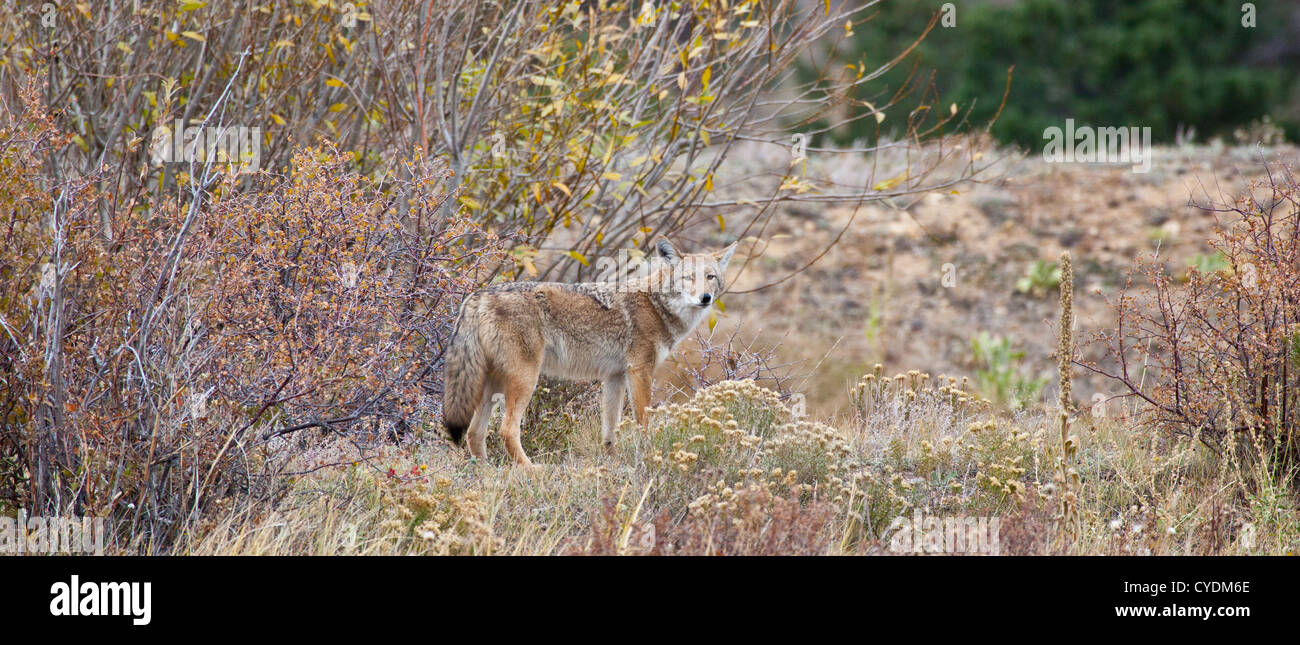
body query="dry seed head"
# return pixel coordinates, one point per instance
(1065, 349)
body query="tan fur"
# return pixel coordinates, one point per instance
(614, 332)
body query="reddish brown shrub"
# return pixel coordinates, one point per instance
(147, 368)
(1218, 358)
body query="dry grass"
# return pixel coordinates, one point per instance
(731, 472)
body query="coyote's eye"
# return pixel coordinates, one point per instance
(710, 277)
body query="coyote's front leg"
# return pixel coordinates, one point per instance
(611, 407)
(640, 377)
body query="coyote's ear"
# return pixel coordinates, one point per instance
(726, 255)
(666, 249)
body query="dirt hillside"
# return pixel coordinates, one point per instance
(879, 296)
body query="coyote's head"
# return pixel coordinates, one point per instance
(694, 280)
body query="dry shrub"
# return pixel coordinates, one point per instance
(145, 370)
(1218, 358)
(735, 436)
(328, 305)
(732, 471)
(811, 455)
(553, 417)
(730, 359)
(548, 111)
(1003, 455)
(714, 436)
(930, 444)
(881, 402)
(432, 519)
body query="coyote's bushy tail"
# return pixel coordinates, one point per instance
(464, 371)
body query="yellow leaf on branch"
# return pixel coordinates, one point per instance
(891, 182)
(579, 257)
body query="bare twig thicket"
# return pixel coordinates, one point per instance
(606, 120)
(1217, 358)
(729, 358)
(154, 376)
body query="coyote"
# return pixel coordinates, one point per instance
(616, 332)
